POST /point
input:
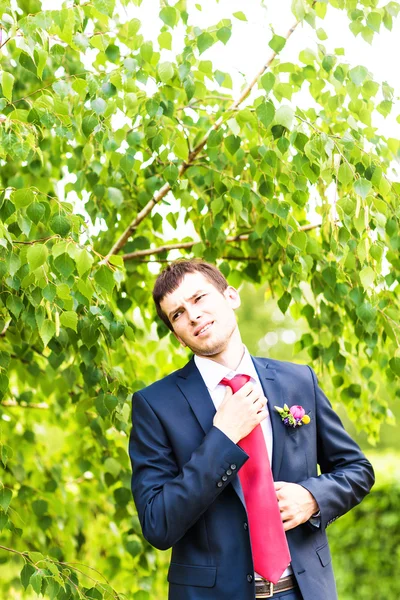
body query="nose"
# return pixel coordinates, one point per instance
(194, 313)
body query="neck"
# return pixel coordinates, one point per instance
(232, 354)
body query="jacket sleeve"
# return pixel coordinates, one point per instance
(346, 475)
(170, 500)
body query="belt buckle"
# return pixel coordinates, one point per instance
(269, 594)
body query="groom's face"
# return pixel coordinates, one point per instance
(202, 317)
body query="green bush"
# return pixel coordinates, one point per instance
(365, 545)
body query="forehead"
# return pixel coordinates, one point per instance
(190, 284)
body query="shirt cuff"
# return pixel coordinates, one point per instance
(316, 519)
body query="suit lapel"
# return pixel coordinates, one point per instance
(273, 392)
(192, 386)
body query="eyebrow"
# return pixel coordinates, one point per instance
(191, 298)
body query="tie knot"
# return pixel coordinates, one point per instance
(236, 382)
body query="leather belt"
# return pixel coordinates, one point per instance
(266, 589)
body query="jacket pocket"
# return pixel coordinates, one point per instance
(192, 575)
(324, 555)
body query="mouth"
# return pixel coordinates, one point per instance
(204, 329)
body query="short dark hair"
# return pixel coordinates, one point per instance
(171, 277)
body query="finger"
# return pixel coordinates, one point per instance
(289, 524)
(260, 404)
(247, 388)
(228, 393)
(262, 414)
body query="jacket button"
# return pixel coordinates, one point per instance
(245, 526)
(229, 472)
(249, 578)
(233, 467)
(224, 478)
(220, 484)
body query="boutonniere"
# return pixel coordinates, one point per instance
(295, 416)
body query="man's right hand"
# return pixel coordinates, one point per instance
(240, 413)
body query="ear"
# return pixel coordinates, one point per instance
(233, 297)
(182, 343)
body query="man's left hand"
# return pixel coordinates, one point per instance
(296, 504)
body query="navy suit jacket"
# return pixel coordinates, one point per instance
(189, 497)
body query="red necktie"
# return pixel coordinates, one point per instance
(269, 546)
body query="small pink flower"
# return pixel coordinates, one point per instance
(297, 411)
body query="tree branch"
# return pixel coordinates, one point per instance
(14, 403)
(188, 245)
(159, 195)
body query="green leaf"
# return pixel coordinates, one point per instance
(26, 574)
(14, 305)
(104, 278)
(99, 105)
(36, 211)
(169, 15)
(268, 81)
(165, 40)
(7, 83)
(189, 87)
(22, 198)
(64, 265)
(362, 187)
(299, 239)
(284, 301)
(88, 124)
(84, 262)
(116, 196)
(146, 51)
(374, 21)
(61, 88)
(224, 34)
(204, 41)
(6, 451)
(366, 312)
(171, 174)
(394, 364)
(345, 173)
(47, 331)
(165, 71)
(113, 53)
(37, 255)
(266, 112)
(60, 225)
(5, 498)
(232, 143)
(367, 276)
(358, 74)
(152, 107)
(69, 319)
(277, 43)
(36, 581)
(284, 116)
(112, 466)
(298, 9)
(240, 15)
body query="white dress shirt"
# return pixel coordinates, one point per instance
(212, 373)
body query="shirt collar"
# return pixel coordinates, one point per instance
(212, 372)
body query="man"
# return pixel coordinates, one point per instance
(200, 448)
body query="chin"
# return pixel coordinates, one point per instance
(208, 349)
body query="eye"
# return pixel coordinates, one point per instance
(198, 297)
(176, 315)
